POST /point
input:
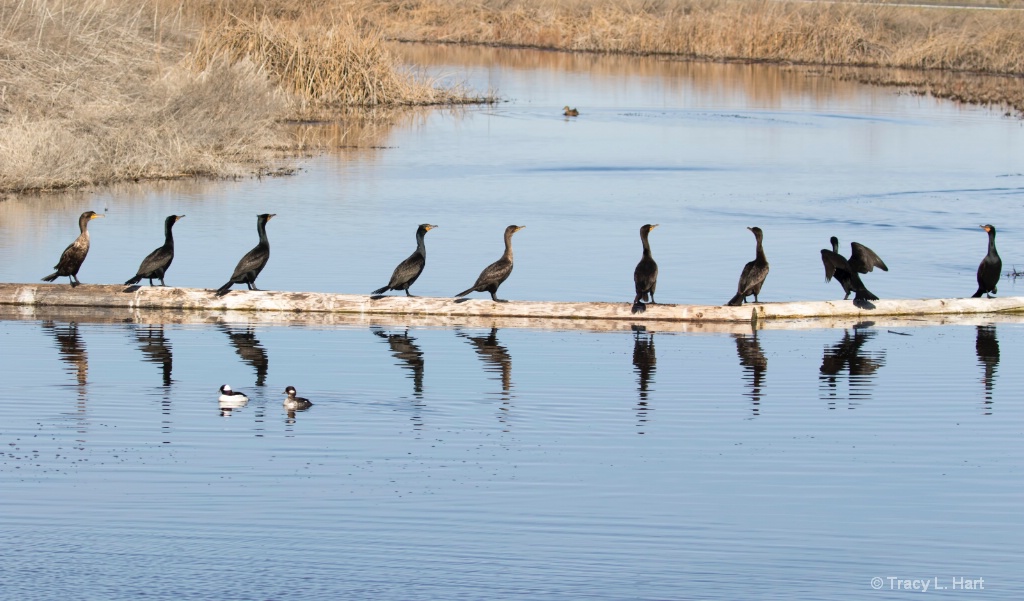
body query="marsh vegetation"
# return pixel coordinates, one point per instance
(94, 92)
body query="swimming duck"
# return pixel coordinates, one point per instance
(229, 399)
(292, 402)
(568, 112)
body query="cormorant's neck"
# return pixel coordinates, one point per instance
(992, 243)
(508, 245)
(261, 227)
(168, 237)
(835, 246)
(647, 245)
(421, 246)
(83, 224)
(760, 252)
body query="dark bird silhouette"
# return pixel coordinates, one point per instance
(848, 356)
(862, 260)
(645, 362)
(990, 268)
(410, 269)
(156, 348)
(753, 274)
(155, 265)
(754, 364)
(249, 268)
(645, 276)
(295, 403)
(494, 274)
(250, 349)
(74, 255)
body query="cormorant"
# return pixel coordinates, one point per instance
(249, 268)
(863, 260)
(753, 274)
(497, 272)
(568, 112)
(74, 255)
(155, 265)
(293, 403)
(990, 268)
(645, 276)
(408, 270)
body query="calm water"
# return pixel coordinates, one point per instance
(485, 460)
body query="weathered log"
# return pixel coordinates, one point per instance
(193, 299)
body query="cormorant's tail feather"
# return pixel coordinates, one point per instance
(133, 281)
(381, 290)
(735, 301)
(976, 294)
(465, 292)
(864, 295)
(224, 289)
(53, 276)
(638, 307)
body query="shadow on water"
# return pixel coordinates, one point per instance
(410, 356)
(644, 363)
(496, 360)
(754, 364)
(847, 355)
(987, 347)
(250, 350)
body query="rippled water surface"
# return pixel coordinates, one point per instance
(487, 460)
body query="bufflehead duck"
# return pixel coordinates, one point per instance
(292, 402)
(230, 398)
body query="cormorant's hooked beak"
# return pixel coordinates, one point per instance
(95, 215)
(179, 217)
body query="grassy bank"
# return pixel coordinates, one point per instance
(95, 92)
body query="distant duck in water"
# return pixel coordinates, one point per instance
(753, 274)
(863, 260)
(155, 265)
(74, 255)
(568, 112)
(295, 403)
(250, 266)
(645, 276)
(991, 266)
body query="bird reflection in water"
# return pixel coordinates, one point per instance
(496, 360)
(644, 363)
(847, 355)
(72, 351)
(987, 347)
(157, 349)
(250, 350)
(754, 365)
(404, 348)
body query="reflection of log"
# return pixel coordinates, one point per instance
(397, 309)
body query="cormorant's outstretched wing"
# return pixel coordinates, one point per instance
(833, 261)
(864, 259)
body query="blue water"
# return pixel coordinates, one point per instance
(488, 460)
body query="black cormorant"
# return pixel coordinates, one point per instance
(293, 403)
(74, 255)
(408, 270)
(645, 276)
(155, 265)
(753, 274)
(990, 268)
(497, 272)
(863, 260)
(249, 268)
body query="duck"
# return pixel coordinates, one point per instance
(568, 112)
(295, 403)
(230, 399)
